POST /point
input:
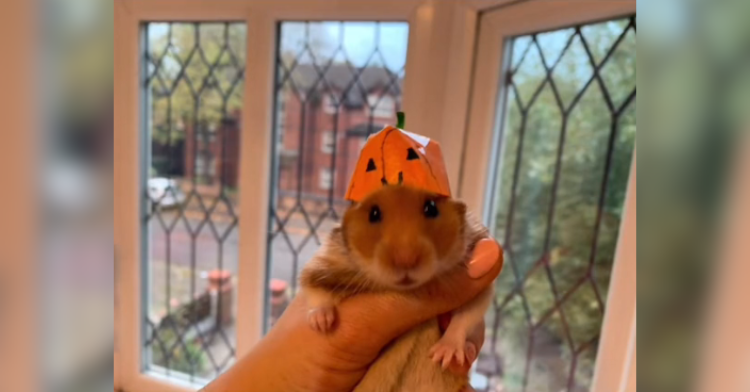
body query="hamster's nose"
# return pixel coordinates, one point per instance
(405, 258)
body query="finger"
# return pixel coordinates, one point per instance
(460, 357)
(487, 252)
(476, 336)
(474, 342)
(471, 353)
(463, 367)
(460, 367)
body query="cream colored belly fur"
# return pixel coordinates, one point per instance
(405, 366)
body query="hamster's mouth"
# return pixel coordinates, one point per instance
(406, 281)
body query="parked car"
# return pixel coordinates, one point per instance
(166, 192)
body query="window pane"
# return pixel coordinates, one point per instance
(568, 139)
(193, 81)
(339, 78)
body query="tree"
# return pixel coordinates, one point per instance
(583, 160)
(197, 69)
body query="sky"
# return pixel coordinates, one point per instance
(358, 39)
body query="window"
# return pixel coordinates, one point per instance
(382, 106)
(200, 165)
(327, 142)
(325, 179)
(346, 59)
(185, 241)
(568, 136)
(329, 105)
(205, 167)
(191, 231)
(280, 117)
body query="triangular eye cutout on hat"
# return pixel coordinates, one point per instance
(411, 154)
(370, 165)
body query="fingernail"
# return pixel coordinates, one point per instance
(486, 254)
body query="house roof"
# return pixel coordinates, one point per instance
(340, 78)
(364, 130)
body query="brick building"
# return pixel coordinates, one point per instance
(320, 128)
(212, 151)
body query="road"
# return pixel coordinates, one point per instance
(208, 255)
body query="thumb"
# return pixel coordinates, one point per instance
(395, 313)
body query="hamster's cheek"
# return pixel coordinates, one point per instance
(444, 236)
(364, 240)
(364, 262)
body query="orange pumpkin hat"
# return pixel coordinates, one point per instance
(394, 156)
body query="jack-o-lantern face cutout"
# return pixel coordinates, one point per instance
(396, 157)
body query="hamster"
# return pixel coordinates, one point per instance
(398, 239)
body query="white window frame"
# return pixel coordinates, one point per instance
(616, 356)
(327, 142)
(427, 24)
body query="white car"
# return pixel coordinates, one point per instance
(159, 192)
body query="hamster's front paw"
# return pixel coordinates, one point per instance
(321, 318)
(454, 349)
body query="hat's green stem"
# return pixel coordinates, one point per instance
(401, 119)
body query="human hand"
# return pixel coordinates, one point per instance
(293, 357)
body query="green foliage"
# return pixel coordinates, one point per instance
(199, 81)
(588, 128)
(186, 358)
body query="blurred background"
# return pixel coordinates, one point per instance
(75, 158)
(696, 110)
(556, 143)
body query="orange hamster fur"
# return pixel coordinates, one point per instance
(399, 238)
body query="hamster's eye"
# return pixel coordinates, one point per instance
(375, 214)
(430, 209)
